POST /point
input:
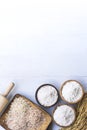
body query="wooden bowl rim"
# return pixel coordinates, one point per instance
(60, 106)
(60, 91)
(43, 85)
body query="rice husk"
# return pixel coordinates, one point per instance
(81, 120)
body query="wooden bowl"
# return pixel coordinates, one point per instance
(66, 90)
(44, 86)
(63, 105)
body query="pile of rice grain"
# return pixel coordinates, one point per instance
(22, 116)
(81, 121)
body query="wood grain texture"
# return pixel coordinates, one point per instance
(44, 126)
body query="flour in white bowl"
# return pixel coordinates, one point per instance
(64, 115)
(72, 91)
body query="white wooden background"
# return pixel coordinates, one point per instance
(42, 42)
